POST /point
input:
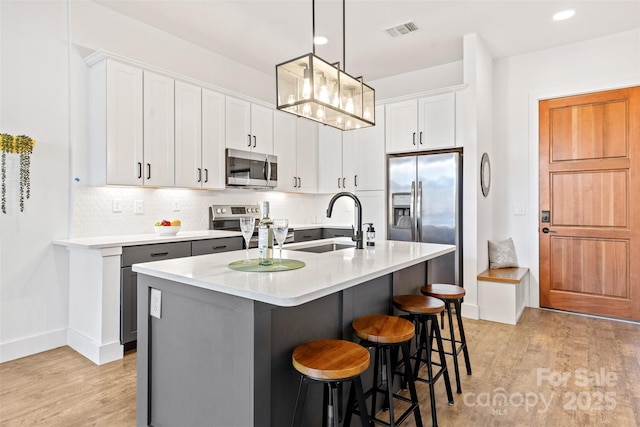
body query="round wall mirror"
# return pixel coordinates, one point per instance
(485, 174)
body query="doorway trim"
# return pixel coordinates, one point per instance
(534, 164)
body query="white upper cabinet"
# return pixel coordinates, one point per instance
(188, 152)
(249, 127)
(116, 154)
(199, 130)
(337, 160)
(158, 119)
(307, 156)
(422, 124)
(295, 145)
(213, 133)
(370, 163)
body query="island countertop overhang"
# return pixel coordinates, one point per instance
(324, 273)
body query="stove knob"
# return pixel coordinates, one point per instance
(218, 211)
(224, 211)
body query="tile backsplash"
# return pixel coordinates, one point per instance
(93, 208)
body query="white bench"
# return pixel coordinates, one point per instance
(502, 294)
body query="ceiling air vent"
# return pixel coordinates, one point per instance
(402, 29)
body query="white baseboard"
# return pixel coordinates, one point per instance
(32, 345)
(472, 311)
(98, 354)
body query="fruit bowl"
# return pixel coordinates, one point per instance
(167, 230)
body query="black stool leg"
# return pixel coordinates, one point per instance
(389, 395)
(410, 382)
(443, 361)
(364, 418)
(376, 372)
(302, 395)
(332, 410)
(462, 336)
(453, 347)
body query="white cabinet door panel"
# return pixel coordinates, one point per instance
(158, 130)
(349, 161)
(329, 160)
(261, 129)
(213, 145)
(188, 134)
(436, 121)
(124, 137)
(238, 124)
(371, 172)
(401, 126)
(284, 143)
(307, 156)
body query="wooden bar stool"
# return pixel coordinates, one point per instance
(452, 296)
(384, 334)
(330, 362)
(424, 310)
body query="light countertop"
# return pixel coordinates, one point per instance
(324, 273)
(101, 242)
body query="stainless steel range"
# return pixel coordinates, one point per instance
(227, 218)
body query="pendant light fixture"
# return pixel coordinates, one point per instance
(310, 87)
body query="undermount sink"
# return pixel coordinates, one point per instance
(325, 247)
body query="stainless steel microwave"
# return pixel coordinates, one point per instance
(251, 170)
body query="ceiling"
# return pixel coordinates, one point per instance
(263, 33)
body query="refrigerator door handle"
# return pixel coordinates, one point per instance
(419, 211)
(412, 212)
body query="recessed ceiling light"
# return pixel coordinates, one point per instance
(565, 14)
(320, 40)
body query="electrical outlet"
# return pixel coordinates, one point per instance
(117, 206)
(176, 205)
(155, 305)
(138, 207)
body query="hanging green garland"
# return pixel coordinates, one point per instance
(23, 146)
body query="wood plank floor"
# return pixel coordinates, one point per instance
(554, 369)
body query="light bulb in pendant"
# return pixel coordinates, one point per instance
(367, 113)
(306, 85)
(323, 94)
(320, 113)
(349, 107)
(336, 96)
(306, 109)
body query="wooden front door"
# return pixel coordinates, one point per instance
(589, 219)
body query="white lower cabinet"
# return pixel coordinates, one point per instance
(295, 145)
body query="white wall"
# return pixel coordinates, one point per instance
(34, 102)
(419, 81)
(519, 82)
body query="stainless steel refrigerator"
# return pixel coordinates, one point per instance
(425, 205)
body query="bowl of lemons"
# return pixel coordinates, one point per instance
(167, 228)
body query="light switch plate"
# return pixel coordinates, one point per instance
(176, 205)
(519, 210)
(138, 207)
(155, 305)
(117, 206)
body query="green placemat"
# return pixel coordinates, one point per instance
(290, 264)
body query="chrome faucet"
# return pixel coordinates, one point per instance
(357, 237)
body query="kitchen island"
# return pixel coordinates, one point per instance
(220, 351)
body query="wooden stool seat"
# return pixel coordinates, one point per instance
(418, 304)
(330, 362)
(443, 291)
(386, 335)
(383, 329)
(330, 359)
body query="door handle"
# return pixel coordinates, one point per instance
(355, 180)
(295, 182)
(299, 182)
(420, 137)
(254, 141)
(414, 138)
(206, 175)
(148, 170)
(338, 182)
(199, 175)
(249, 140)
(139, 170)
(412, 207)
(546, 231)
(419, 211)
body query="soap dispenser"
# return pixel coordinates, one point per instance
(371, 234)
